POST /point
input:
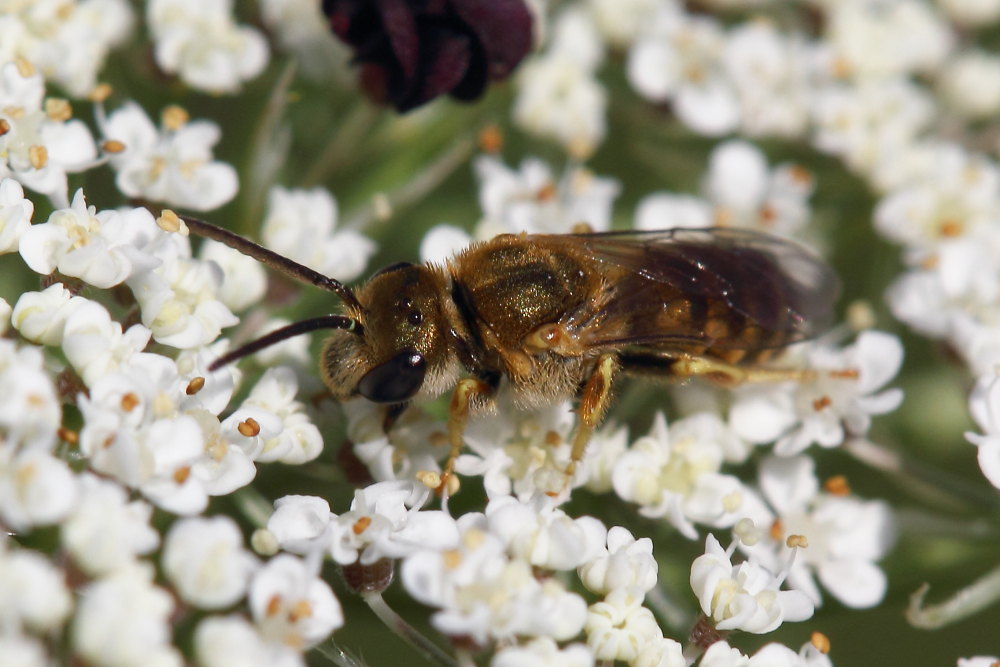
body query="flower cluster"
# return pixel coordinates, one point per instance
(160, 507)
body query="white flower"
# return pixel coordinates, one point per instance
(21, 651)
(385, 521)
(971, 13)
(663, 653)
(846, 535)
(621, 21)
(480, 592)
(748, 194)
(299, 439)
(441, 242)
(884, 39)
(39, 149)
(36, 488)
(769, 71)
(102, 249)
(978, 661)
(543, 652)
(838, 403)
(627, 563)
(244, 280)
(179, 297)
(677, 475)
(30, 411)
(970, 84)
(5, 315)
(558, 95)
(300, 523)
(300, 29)
(678, 58)
(544, 535)
(106, 531)
(532, 200)
(743, 597)
(619, 627)
(123, 619)
(69, 41)
(15, 214)
(95, 344)
(41, 316)
(870, 121)
(984, 404)
(32, 591)
(199, 41)
(205, 560)
(232, 640)
(662, 210)
(408, 448)
(302, 225)
(291, 605)
(173, 164)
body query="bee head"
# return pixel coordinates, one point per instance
(400, 342)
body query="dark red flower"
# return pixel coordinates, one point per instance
(411, 51)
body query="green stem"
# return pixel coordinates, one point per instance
(973, 598)
(428, 649)
(337, 655)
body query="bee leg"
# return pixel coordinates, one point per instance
(594, 400)
(726, 374)
(458, 416)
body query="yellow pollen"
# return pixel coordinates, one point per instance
(951, 228)
(129, 402)
(473, 539)
(361, 525)
(26, 474)
(58, 109)
(820, 641)
(14, 112)
(546, 193)
(34, 400)
(553, 439)
(195, 385)
(452, 558)
(796, 541)
(101, 92)
(38, 156)
(800, 174)
(439, 439)
(68, 436)
(273, 605)
(822, 403)
(301, 609)
(174, 117)
(181, 474)
(249, 427)
(108, 441)
(24, 67)
(429, 478)
(846, 374)
(4, 126)
(113, 146)
(776, 530)
(837, 486)
(169, 221)
(490, 139)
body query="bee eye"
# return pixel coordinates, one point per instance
(414, 317)
(396, 380)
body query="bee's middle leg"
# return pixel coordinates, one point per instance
(594, 400)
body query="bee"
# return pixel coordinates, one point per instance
(561, 316)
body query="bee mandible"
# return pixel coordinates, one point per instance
(560, 316)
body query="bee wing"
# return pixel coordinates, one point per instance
(741, 279)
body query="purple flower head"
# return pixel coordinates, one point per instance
(411, 51)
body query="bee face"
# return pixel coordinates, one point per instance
(402, 337)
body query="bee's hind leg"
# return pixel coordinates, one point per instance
(728, 375)
(594, 399)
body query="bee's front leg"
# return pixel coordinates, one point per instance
(594, 400)
(466, 392)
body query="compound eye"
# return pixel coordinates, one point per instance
(395, 381)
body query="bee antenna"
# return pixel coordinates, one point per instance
(286, 332)
(272, 259)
